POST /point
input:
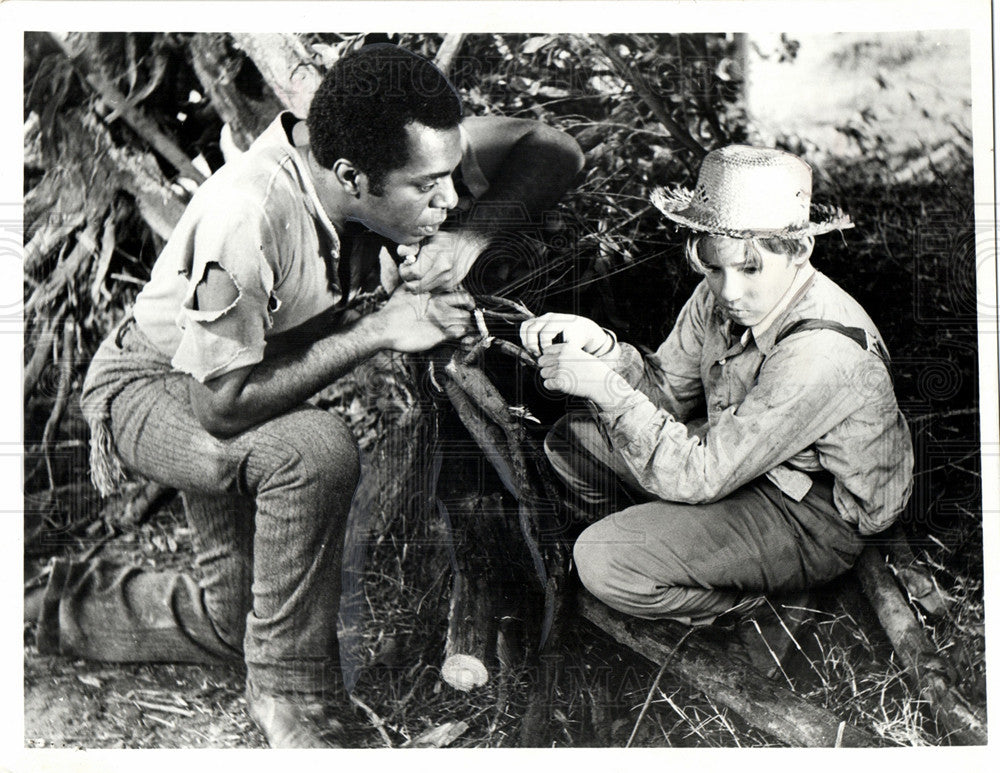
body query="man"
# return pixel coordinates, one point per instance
(803, 449)
(246, 316)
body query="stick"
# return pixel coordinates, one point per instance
(929, 670)
(449, 48)
(66, 361)
(285, 65)
(628, 73)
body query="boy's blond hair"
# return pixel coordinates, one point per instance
(793, 247)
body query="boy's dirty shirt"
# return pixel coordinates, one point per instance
(816, 402)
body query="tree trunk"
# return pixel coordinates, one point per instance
(217, 73)
(286, 66)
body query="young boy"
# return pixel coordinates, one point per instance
(763, 438)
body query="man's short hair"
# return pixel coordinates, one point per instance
(366, 100)
(792, 247)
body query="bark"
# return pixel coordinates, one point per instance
(286, 66)
(217, 71)
(708, 668)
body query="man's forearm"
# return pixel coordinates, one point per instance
(242, 399)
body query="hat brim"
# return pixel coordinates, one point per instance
(676, 205)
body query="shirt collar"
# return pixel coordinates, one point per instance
(765, 331)
(282, 129)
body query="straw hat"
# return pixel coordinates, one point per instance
(750, 192)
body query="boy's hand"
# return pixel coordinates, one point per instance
(538, 334)
(568, 369)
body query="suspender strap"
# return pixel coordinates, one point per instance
(860, 336)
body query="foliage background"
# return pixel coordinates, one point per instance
(643, 108)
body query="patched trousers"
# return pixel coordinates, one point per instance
(692, 562)
(268, 510)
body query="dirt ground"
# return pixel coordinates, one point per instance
(85, 705)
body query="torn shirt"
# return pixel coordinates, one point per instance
(260, 220)
(817, 401)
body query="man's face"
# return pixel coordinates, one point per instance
(744, 293)
(415, 198)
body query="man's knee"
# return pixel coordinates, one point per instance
(319, 446)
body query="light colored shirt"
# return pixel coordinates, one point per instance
(816, 401)
(259, 219)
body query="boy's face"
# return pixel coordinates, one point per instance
(744, 293)
(415, 198)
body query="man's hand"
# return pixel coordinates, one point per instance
(568, 369)
(538, 334)
(416, 322)
(442, 262)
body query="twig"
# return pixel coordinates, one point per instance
(62, 395)
(163, 707)
(375, 719)
(774, 657)
(798, 646)
(656, 683)
(514, 351)
(43, 351)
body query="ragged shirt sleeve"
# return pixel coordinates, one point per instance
(802, 392)
(670, 378)
(235, 236)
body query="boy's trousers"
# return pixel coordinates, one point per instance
(692, 562)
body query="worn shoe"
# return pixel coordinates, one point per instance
(293, 722)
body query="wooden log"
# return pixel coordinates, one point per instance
(929, 670)
(708, 668)
(286, 66)
(472, 630)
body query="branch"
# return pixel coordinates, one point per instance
(929, 669)
(217, 75)
(446, 53)
(629, 74)
(133, 116)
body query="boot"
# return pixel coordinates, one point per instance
(293, 721)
